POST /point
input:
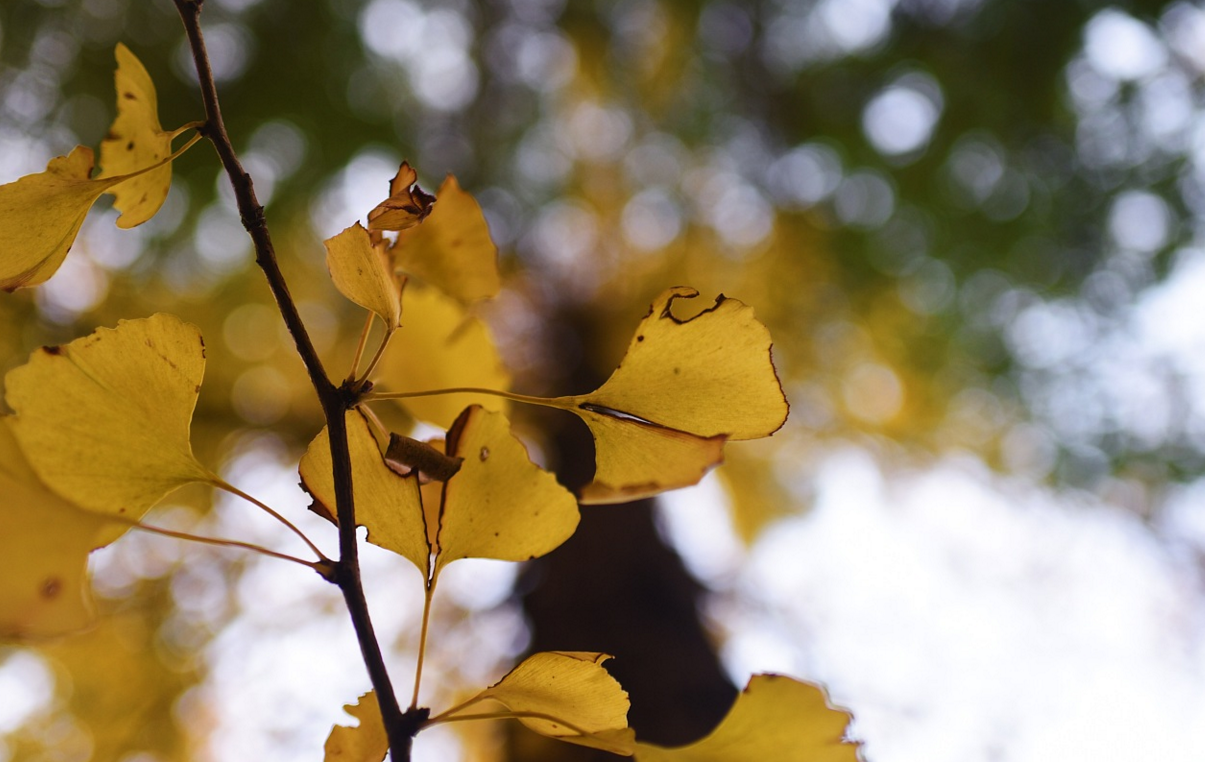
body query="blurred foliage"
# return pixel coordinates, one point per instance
(943, 209)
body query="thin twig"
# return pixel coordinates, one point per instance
(335, 401)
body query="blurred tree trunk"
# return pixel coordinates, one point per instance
(616, 587)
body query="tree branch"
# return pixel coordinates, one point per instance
(335, 400)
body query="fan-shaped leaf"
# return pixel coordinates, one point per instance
(364, 273)
(104, 420)
(499, 504)
(367, 742)
(440, 347)
(682, 388)
(774, 718)
(637, 460)
(452, 249)
(136, 142)
(41, 214)
(577, 699)
(44, 547)
(386, 503)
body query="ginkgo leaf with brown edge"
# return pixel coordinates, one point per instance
(44, 547)
(635, 459)
(452, 249)
(136, 141)
(774, 718)
(441, 346)
(41, 214)
(387, 503)
(682, 388)
(104, 420)
(366, 742)
(566, 695)
(407, 205)
(499, 504)
(363, 273)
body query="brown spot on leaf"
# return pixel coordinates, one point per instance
(130, 146)
(53, 350)
(51, 587)
(129, 96)
(640, 337)
(484, 454)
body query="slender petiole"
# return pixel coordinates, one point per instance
(315, 565)
(374, 421)
(443, 716)
(375, 358)
(508, 715)
(185, 128)
(422, 643)
(220, 484)
(542, 401)
(355, 363)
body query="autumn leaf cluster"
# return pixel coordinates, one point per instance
(100, 433)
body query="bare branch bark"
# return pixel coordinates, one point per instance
(335, 400)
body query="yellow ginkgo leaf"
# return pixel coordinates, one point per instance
(637, 460)
(386, 503)
(681, 390)
(44, 547)
(709, 376)
(499, 504)
(363, 273)
(440, 347)
(774, 718)
(367, 742)
(406, 206)
(568, 695)
(135, 142)
(104, 420)
(41, 214)
(452, 249)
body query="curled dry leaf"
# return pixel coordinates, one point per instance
(440, 347)
(136, 142)
(387, 503)
(576, 699)
(774, 718)
(104, 420)
(452, 250)
(41, 214)
(406, 206)
(367, 742)
(681, 390)
(363, 272)
(44, 547)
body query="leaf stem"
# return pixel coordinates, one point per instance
(221, 484)
(509, 715)
(422, 642)
(444, 715)
(317, 566)
(355, 362)
(335, 401)
(372, 365)
(557, 402)
(375, 422)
